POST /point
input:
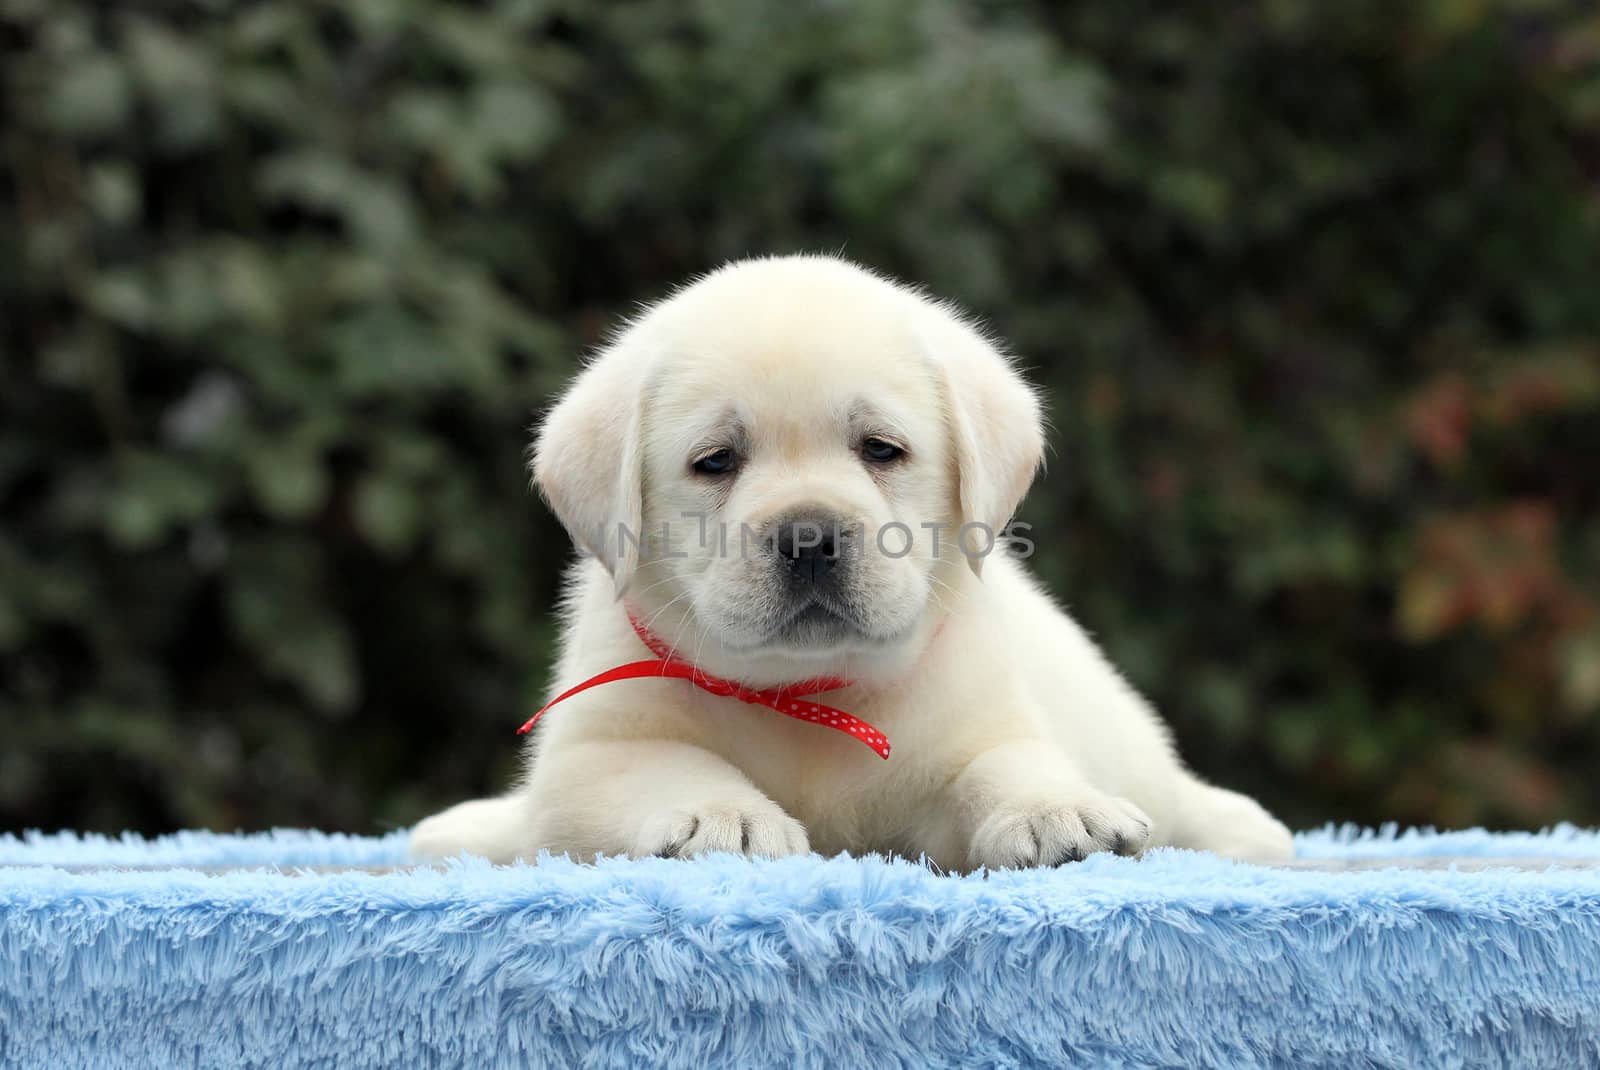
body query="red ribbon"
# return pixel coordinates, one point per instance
(791, 700)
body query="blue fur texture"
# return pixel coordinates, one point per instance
(1174, 960)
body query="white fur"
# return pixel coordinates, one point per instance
(1015, 742)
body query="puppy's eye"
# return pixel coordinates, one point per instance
(715, 464)
(879, 451)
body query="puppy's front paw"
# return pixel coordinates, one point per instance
(1263, 841)
(1018, 835)
(1236, 826)
(757, 827)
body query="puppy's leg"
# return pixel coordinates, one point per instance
(654, 797)
(498, 829)
(1021, 803)
(1233, 825)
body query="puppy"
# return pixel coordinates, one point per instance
(795, 470)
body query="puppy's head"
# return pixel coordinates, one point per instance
(790, 466)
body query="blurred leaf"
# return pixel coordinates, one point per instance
(387, 513)
(290, 483)
(378, 211)
(90, 96)
(1580, 673)
(114, 192)
(151, 494)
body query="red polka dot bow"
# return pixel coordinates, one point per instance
(791, 700)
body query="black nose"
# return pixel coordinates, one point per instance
(808, 546)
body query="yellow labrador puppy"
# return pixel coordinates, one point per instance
(796, 470)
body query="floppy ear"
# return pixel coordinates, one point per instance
(588, 460)
(996, 429)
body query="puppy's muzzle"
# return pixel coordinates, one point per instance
(813, 549)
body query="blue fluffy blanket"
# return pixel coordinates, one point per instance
(1177, 959)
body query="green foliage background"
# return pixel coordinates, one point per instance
(1315, 288)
